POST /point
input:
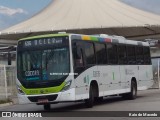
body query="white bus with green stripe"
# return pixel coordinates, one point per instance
(57, 68)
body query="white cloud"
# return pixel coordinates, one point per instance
(9, 11)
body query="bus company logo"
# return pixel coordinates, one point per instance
(129, 72)
(6, 114)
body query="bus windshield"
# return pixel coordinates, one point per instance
(49, 64)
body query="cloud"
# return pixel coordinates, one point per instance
(10, 12)
(147, 5)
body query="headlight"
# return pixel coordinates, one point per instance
(67, 85)
(20, 91)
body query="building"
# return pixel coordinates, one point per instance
(85, 17)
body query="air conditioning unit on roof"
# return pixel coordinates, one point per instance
(104, 35)
(61, 32)
(119, 37)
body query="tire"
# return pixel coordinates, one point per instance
(133, 94)
(89, 102)
(47, 107)
(98, 99)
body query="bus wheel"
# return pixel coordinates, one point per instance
(133, 94)
(89, 102)
(98, 99)
(47, 107)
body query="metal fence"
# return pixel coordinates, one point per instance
(156, 83)
(7, 81)
(156, 72)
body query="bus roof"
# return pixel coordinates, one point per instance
(98, 38)
(108, 39)
(44, 36)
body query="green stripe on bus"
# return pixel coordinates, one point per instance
(113, 76)
(44, 36)
(88, 80)
(48, 90)
(94, 38)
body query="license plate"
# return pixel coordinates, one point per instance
(43, 101)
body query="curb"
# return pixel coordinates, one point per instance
(6, 104)
(154, 89)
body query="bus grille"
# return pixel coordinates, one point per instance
(49, 97)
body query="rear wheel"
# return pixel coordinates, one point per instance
(47, 107)
(98, 99)
(89, 102)
(133, 94)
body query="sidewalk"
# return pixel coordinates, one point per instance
(6, 104)
(14, 102)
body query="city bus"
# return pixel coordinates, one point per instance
(55, 68)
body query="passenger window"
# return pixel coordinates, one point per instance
(122, 54)
(78, 55)
(78, 58)
(147, 57)
(131, 55)
(89, 53)
(139, 55)
(112, 54)
(100, 53)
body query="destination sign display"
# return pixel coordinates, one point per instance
(43, 42)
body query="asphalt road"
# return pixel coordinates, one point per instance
(148, 100)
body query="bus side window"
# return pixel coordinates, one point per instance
(112, 54)
(100, 53)
(122, 54)
(78, 58)
(139, 55)
(89, 53)
(131, 55)
(78, 55)
(147, 59)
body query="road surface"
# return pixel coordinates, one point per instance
(148, 100)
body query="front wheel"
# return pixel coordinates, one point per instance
(98, 99)
(89, 102)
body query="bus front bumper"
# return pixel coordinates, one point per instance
(65, 96)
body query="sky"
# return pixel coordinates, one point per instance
(152, 6)
(15, 11)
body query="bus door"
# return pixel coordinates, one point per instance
(122, 60)
(101, 73)
(79, 69)
(112, 72)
